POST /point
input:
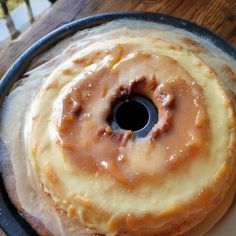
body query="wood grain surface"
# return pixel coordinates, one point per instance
(218, 16)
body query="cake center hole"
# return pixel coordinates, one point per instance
(132, 115)
(136, 113)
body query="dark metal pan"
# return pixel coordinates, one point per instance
(11, 221)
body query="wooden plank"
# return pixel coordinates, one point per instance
(217, 15)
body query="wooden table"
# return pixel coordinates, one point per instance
(218, 16)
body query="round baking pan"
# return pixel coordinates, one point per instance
(11, 221)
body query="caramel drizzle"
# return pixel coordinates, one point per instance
(90, 143)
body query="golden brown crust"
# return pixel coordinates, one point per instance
(229, 72)
(193, 45)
